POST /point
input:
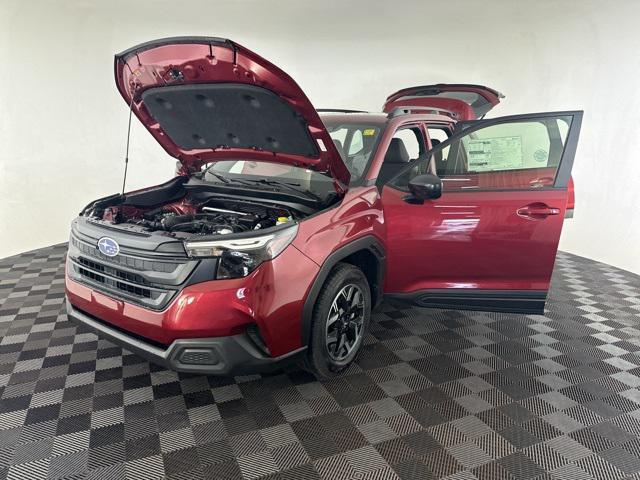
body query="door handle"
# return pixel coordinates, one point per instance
(541, 182)
(537, 211)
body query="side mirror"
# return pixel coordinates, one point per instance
(424, 187)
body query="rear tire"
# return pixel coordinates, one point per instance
(340, 321)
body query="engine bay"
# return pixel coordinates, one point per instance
(184, 219)
(185, 207)
(208, 220)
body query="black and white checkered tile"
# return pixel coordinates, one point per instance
(434, 394)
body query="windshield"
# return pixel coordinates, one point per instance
(271, 175)
(355, 143)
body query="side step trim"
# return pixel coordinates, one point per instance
(509, 301)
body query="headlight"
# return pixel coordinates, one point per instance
(240, 256)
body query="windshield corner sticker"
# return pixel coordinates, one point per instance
(501, 153)
(367, 132)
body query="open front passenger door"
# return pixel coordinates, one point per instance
(489, 241)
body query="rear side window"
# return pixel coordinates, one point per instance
(512, 155)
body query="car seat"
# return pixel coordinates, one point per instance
(395, 159)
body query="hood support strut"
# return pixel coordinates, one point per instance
(126, 154)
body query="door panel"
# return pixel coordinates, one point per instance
(470, 240)
(490, 241)
(514, 179)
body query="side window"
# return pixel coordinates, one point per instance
(506, 147)
(437, 135)
(412, 140)
(407, 145)
(438, 164)
(516, 155)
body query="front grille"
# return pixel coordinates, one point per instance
(125, 287)
(127, 261)
(139, 280)
(108, 279)
(128, 276)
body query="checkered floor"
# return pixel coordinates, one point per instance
(434, 394)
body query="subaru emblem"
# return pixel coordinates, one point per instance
(108, 246)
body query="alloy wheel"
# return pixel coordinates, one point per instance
(345, 322)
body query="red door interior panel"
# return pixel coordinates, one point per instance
(515, 179)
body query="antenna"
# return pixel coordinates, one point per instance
(126, 155)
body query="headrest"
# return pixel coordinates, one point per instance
(397, 152)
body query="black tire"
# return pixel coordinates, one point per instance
(318, 359)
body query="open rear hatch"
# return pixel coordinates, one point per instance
(206, 99)
(464, 102)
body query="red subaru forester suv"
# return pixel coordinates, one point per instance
(285, 225)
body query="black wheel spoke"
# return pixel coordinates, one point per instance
(339, 344)
(351, 333)
(344, 322)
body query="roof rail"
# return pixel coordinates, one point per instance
(407, 109)
(340, 110)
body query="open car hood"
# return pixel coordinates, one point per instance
(464, 102)
(205, 99)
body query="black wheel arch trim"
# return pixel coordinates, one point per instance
(369, 243)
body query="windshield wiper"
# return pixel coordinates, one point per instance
(290, 186)
(224, 179)
(264, 181)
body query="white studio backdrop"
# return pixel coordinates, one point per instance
(63, 124)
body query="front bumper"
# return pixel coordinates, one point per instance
(270, 299)
(230, 355)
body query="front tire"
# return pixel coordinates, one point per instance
(340, 321)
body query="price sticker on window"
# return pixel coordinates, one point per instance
(487, 154)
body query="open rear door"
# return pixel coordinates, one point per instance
(465, 102)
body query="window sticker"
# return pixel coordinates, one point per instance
(501, 153)
(367, 132)
(541, 155)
